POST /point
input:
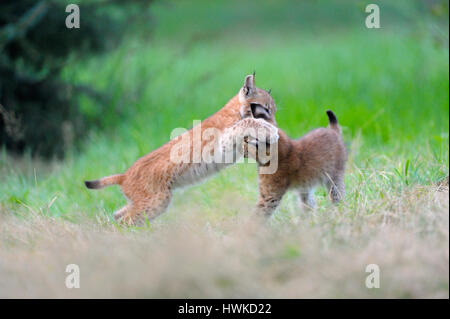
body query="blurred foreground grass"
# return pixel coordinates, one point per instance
(389, 89)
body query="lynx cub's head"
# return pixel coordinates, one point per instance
(256, 102)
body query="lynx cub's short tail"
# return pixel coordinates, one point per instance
(105, 181)
(332, 121)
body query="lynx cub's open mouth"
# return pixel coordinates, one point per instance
(259, 111)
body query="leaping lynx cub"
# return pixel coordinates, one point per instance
(149, 182)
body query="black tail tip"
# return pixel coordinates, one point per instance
(92, 184)
(332, 117)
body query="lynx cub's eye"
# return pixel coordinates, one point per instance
(259, 111)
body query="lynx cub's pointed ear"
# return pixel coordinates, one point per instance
(246, 94)
(249, 85)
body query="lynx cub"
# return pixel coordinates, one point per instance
(317, 158)
(149, 182)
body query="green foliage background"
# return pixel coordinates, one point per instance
(39, 111)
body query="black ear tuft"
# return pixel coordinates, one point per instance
(270, 90)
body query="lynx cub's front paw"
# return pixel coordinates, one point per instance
(259, 131)
(271, 136)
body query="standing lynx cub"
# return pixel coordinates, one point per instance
(317, 158)
(149, 182)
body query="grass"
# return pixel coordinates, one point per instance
(389, 89)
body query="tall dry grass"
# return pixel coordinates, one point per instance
(317, 254)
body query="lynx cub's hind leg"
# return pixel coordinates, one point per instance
(126, 214)
(121, 212)
(148, 207)
(306, 199)
(157, 204)
(336, 189)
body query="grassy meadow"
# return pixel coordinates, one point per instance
(390, 90)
